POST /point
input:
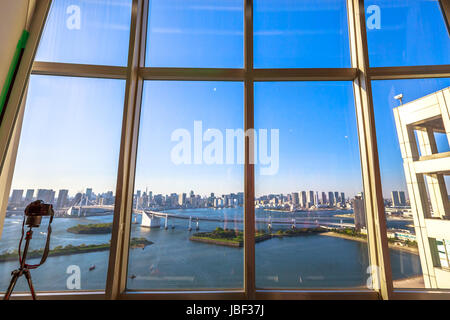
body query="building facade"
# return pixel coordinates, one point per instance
(425, 167)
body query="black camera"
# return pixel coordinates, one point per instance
(35, 211)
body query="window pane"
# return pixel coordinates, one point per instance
(67, 156)
(189, 187)
(87, 32)
(309, 192)
(195, 33)
(416, 200)
(301, 34)
(406, 33)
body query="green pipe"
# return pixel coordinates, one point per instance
(7, 87)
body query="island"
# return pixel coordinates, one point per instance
(235, 238)
(93, 228)
(69, 249)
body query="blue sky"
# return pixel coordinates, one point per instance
(71, 131)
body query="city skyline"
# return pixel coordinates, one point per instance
(310, 196)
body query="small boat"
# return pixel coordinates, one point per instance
(132, 276)
(92, 267)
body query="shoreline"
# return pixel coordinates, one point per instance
(391, 246)
(70, 250)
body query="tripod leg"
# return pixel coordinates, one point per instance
(12, 284)
(30, 283)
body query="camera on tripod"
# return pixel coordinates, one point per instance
(33, 214)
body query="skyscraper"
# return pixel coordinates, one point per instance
(359, 212)
(324, 198)
(16, 197)
(29, 196)
(62, 198)
(182, 199)
(316, 198)
(336, 197)
(51, 196)
(310, 198)
(331, 198)
(402, 198)
(343, 197)
(89, 193)
(395, 199)
(46, 195)
(295, 199)
(303, 202)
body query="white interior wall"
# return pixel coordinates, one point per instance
(13, 14)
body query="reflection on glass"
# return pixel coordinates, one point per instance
(412, 122)
(87, 32)
(195, 33)
(301, 34)
(67, 156)
(406, 33)
(313, 204)
(188, 198)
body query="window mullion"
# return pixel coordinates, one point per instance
(376, 220)
(249, 170)
(445, 6)
(118, 259)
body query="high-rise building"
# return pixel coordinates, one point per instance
(425, 168)
(46, 195)
(52, 196)
(343, 197)
(303, 200)
(395, 199)
(316, 198)
(402, 197)
(331, 198)
(240, 196)
(324, 198)
(310, 198)
(336, 197)
(62, 198)
(89, 193)
(29, 196)
(359, 212)
(16, 197)
(295, 198)
(182, 199)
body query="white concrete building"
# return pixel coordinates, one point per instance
(425, 168)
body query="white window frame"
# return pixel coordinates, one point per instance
(135, 73)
